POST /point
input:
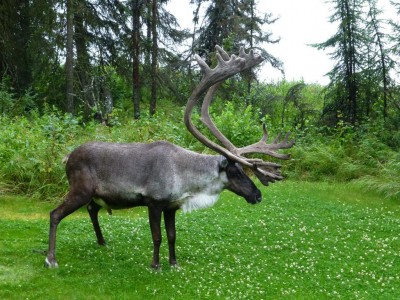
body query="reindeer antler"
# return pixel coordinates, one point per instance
(227, 67)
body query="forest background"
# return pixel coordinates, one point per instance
(73, 71)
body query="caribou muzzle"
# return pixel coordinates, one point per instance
(255, 198)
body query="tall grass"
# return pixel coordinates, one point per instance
(31, 149)
(33, 146)
(351, 157)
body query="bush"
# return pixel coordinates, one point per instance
(12, 105)
(32, 147)
(386, 180)
(240, 126)
(31, 151)
(344, 157)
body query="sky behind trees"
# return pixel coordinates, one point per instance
(300, 24)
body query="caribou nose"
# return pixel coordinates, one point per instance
(257, 198)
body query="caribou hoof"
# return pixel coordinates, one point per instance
(102, 243)
(156, 267)
(175, 266)
(50, 263)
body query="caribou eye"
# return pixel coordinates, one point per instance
(223, 163)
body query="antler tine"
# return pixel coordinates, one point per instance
(269, 149)
(222, 62)
(251, 58)
(265, 133)
(222, 52)
(267, 177)
(284, 144)
(202, 64)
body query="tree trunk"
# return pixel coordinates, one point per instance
(351, 82)
(83, 63)
(25, 72)
(252, 16)
(69, 64)
(136, 95)
(154, 61)
(384, 69)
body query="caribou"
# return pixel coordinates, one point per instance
(165, 177)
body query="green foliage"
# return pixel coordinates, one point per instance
(240, 125)
(6, 96)
(386, 182)
(348, 153)
(304, 241)
(10, 103)
(31, 151)
(287, 104)
(32, 145)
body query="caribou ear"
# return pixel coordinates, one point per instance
(223, 163)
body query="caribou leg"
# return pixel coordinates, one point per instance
(71, 203)
(155, 212)
(169, 220)
(93, 209)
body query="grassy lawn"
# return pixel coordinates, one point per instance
(303, 241)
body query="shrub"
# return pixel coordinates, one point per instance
(240, 126)
(33, 146)
(31, 151)
(386, 180)
(350, 156)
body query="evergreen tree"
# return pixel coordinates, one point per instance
(360, 79)
(30, 47)
(15, 21)
(379, 63)
(154, 29)
(395, 50)
(396, 29)
(233, 24)
(348, 43)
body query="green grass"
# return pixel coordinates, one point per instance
(303, 241)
